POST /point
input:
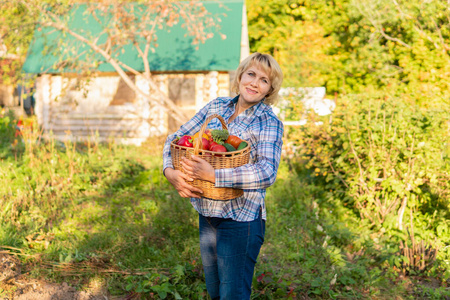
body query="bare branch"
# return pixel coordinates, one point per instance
(439, 31)
(128, 68)
(393, 39)
(149, 39)
(338, 175)
(379, 28)
(419, 29)
(402, 13)
(422, 32)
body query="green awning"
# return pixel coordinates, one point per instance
(174, 53)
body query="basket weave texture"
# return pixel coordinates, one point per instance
(218, 160)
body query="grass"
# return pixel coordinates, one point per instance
(85, 213)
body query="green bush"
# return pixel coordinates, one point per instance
(382, 156)
(7, 130)
(388, 162)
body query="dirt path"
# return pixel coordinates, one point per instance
(16, 286)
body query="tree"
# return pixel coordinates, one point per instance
(416, 35)
(290, 32)
(123, 23)
(398, 47)
(16, 31)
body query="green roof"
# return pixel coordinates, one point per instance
(175, 51)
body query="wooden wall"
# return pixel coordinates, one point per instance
(104, 108)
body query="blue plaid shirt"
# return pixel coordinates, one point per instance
(264, 131)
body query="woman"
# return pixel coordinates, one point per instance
(232, 232)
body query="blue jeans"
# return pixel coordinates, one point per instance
(229, 250)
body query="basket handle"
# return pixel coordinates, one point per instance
(199, 141)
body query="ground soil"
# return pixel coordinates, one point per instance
(14, 285)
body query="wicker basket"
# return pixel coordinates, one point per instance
(218, 160)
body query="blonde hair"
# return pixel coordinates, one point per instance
(267, 63)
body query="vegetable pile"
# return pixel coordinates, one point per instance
(216, 140)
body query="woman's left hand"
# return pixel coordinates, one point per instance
(198, 168)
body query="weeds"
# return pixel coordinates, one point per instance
(84, 212)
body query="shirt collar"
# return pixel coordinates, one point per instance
(234, 101)
(257, 109)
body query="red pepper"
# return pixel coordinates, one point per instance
(185, 141)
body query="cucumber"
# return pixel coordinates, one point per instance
(229, 147)
(242, 145)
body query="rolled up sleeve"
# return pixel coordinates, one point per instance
(263, 172)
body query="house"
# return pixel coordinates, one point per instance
(104, 107)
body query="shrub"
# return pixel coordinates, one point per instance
(7, 130)
(381, 156)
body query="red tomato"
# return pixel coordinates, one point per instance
(211, 144)
(233, 141)
(218, 148)
(205, 144)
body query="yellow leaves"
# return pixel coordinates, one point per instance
(340, 129)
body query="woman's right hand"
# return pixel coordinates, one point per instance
(178, 180)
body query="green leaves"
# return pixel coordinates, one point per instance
(181, 282)
(383, 151)
(358, 46)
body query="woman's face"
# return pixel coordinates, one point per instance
(254, 86)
